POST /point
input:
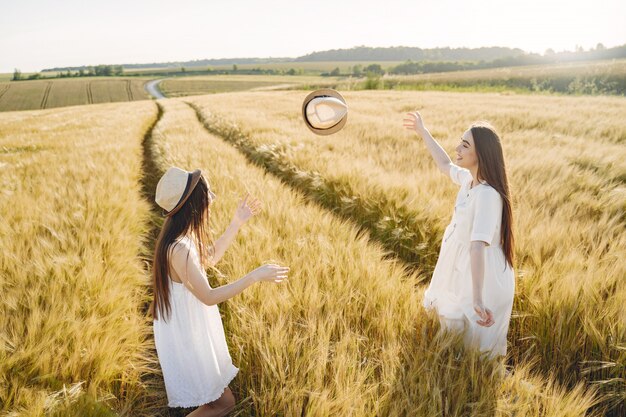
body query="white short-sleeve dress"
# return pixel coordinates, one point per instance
(191, 345)
(477, 216)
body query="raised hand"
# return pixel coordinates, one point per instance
(270, 272)
(413, 121)
(246, 209)
(485, 314)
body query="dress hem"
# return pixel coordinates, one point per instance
(453, 312)
(208, 399)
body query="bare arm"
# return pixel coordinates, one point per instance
(414, 122)
(477, 261)
(225, 240)
(245, 210)
(186, 263)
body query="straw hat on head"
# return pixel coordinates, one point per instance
(174, 188)
(324, 111)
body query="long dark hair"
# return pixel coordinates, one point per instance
(193, 218)
(492, 169)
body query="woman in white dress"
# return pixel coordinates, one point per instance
(473, 282)
(188, 332)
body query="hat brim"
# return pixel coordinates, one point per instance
(324, 92)
(192, 181)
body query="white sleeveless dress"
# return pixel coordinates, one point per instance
(477, 216)
(192, 350)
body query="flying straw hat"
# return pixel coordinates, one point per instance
(174, 188)
(324, 111)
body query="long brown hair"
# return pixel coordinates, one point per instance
(192, 219)
(492, 169)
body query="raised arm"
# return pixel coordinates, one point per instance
(413, 121)
(186, 263)
(225, 240)
(245, 210)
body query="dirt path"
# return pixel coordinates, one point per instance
(152, 87)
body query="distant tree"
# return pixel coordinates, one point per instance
(357, 70)
(335, 72)
(182, 69)
(118, 70)
(375, 68)
(34, 76)
(234, 67)
(291, 71)
(549, 52)
(600, 47)
(103, 70)
(17, 75)
(81, 72)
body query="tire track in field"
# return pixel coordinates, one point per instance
(89, 93)
(129, 91)
(46, 94)
(6, 88)
(151, 175)
(407, 234)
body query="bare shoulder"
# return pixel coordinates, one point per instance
(182, 245)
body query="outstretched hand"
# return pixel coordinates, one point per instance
(246, 209)
(413, 121)
(270, 272)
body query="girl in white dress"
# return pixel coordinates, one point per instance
(188, 332)
(473, 282)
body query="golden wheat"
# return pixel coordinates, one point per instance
(567, 169)
(73, 338)
(346, 336)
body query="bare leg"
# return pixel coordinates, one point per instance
(218, 408)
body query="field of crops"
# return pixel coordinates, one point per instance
(597, 77)
(197, 85)
(74, 340)
(358, 217)
(347, 335)
(589, 78)
(311, 68)
(566, 160)
(46, 94)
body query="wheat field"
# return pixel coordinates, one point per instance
(61, 92)
(73, 336)
(199, 85)
(357, 216)
(567, 169)
(345, 336)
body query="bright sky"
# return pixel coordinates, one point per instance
(43, 34)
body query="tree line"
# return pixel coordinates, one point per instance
(91, 71)
(484, 54)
